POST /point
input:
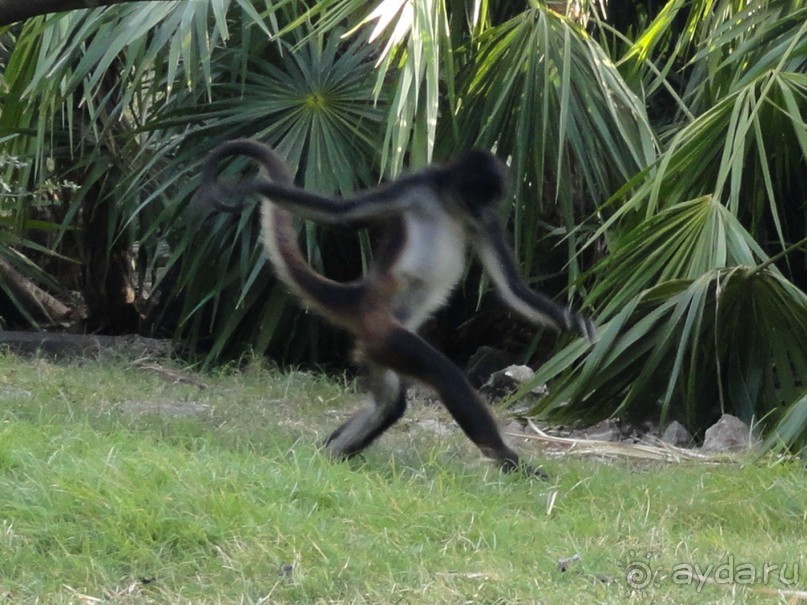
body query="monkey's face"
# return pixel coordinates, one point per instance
(475, 181)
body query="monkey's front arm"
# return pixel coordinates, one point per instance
(500, 265)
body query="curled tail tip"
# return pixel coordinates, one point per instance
(212, 195)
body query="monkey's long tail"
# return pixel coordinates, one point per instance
(337, 300)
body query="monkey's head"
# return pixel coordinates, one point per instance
(475, 180)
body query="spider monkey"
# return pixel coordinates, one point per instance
(431, 217)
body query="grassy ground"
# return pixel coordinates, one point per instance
(120, 484)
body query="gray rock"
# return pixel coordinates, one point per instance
(728, 434)
(606, 430)
(506, 381)
(676, 434)
(484, 362)
(515, 427)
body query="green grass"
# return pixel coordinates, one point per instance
(103, 500)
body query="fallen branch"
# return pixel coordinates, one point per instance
(663, 452)
(62, 345)
(37, 303)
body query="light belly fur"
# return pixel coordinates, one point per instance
(432, 264)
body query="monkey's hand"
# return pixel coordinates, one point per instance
(580, 323)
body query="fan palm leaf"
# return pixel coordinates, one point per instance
(80, 84)
(742, 151)
(732, 340)
(682, 241)
(415, 70)
(312, 100)
(542, 92)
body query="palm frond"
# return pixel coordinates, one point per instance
(790, 432)
(707, 49)
(539, 90)
(416, 45)
(683, 241)
(732, 340)
(742, 151)
(316, 106)
(743, 43)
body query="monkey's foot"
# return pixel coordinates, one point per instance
(521, 467)
(535, 471)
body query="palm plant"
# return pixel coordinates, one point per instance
(79, 88)
(312, 100)
(700, 297)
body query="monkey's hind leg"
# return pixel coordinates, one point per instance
(366, 425)
(409, 354)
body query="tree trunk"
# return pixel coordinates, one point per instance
(108, 273)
